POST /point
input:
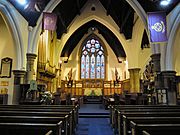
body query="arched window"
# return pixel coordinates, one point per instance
(92, 60)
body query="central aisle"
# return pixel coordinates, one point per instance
(93, 120)
(94, 126)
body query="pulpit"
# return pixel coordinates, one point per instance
(31, 97)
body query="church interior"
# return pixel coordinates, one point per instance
(84, 67)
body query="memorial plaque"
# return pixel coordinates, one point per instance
(6, 66)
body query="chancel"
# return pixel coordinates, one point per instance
(89, 67)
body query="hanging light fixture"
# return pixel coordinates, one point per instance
(22, 2)
(165, 2)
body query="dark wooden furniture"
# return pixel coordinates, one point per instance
(41, 115)
(3, 99)
(155, 129)
(30, 128)
(147, 120)
(139, 111)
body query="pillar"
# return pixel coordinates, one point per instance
(134, 80)
(156, 69)
(30, 66)
(18, 79)
(169, 83)
(156, 62)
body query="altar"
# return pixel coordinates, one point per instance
(93, 91)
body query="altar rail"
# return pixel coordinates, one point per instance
(105, 88)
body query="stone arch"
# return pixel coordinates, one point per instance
(139, 10)
(170, 45)
(13, 26)
(34, 34)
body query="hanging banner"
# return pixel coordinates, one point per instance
(157, 27)
(49, 21)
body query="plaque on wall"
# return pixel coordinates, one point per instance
(4, 83)
(162, 96)
(6, 66)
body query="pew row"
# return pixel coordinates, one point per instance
(155, 129)
(147, 120)
(30, 128)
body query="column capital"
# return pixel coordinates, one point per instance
(156, 62)
(30, 28)
(156, 56)
(19, 72)
(31, 56)
(168, 73)
(19, 76)
(134, 69)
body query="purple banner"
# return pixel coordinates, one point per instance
(157, 27)
(49, 21)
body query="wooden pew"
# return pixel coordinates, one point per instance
(53, 107)
(40, 108)
(64, 116)
(30, 128)
(145, 132)
(115, 108)
(50, 132)
(139, 112)
(155, 129)
(147, 114)
(147, 120)
(122, 107)
(38, 119)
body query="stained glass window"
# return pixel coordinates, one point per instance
(92, 60)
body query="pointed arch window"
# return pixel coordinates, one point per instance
(92, 60)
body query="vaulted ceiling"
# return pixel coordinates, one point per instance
(121, 12)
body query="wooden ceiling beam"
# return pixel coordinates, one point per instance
(108, 7)
(78, 7)
(62, 21)
(125, 20)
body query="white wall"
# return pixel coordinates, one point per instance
(176, 52)
(7, 50)
(13, 42)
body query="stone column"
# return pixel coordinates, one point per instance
(30, 66)
(131, 76)
(156, 69)
(169, 82)
(156, 62)
(134, 80)
(137, 80)
(18, 79)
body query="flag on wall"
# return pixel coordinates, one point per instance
(157, 27)
(49, 21)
